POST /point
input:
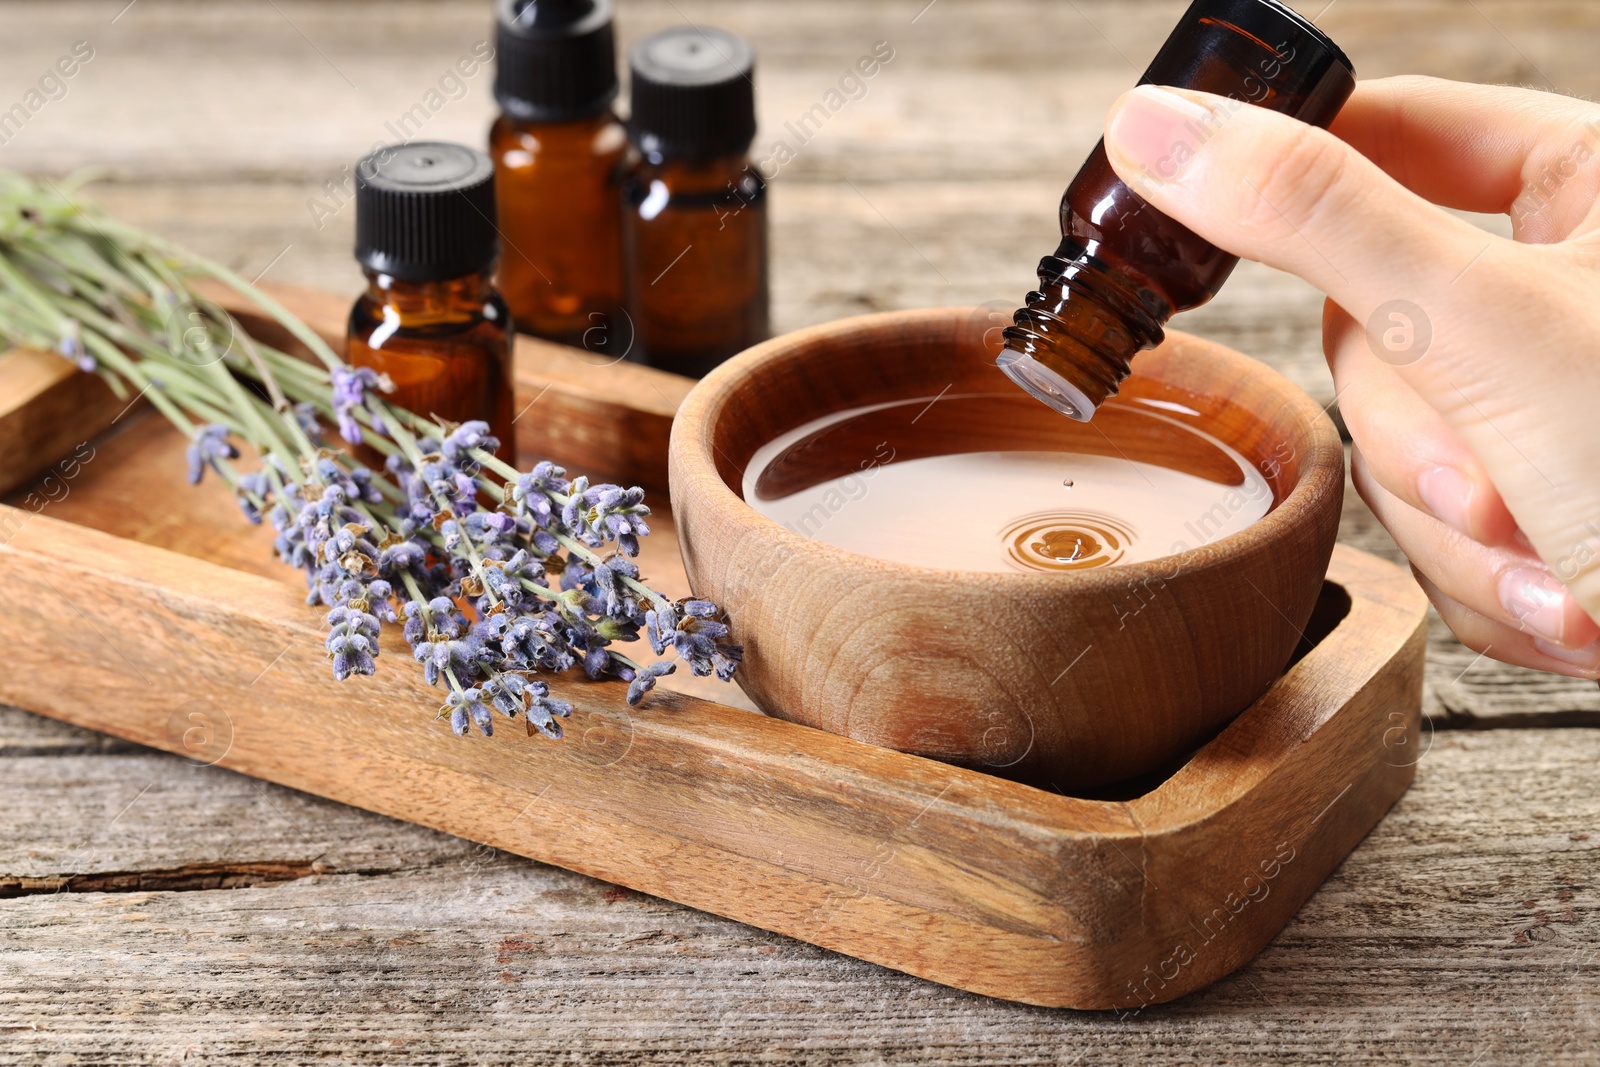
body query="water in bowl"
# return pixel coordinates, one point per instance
(998, 482)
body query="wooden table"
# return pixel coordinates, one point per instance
(156, 911)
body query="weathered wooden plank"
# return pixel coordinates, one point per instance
(24, 734)
(976, 88)
(120, 818)
(1461, 931)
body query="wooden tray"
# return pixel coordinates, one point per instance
(150, 610)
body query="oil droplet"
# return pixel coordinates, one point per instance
(1067, 541)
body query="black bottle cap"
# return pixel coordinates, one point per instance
(555, 60)
(425, 211)
(692, 95)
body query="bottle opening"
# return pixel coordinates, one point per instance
(1046, 385)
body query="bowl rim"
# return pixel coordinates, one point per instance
(1321, 471)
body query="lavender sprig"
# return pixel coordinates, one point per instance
(494, 575)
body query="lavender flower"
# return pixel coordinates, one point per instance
(353, 642)
(377, 595)
(503, 588)
(514, 693)
(401, 556)
(350, 392)
(610, 587)
(253, 491)
(458, 445)
(445, 644)
(71, 346)
(449, 545)
(534, 642)
(645, 679)
(440, 483)
(696, 635)
(618, 514)
(542, 710)
(305, 417)
(361, 488)
(463, 705)
(351, 550)
(536, 495)
(209, 447)
(491, 527)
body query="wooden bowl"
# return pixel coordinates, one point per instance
(1067, 679)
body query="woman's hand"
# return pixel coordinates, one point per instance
(1467, 365)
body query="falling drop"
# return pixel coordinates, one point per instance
(1067, 483)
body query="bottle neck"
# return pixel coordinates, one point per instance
(420, 302)
(694, 175)
(583, 128)
(1072, 344)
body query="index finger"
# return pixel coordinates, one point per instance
(1481, 148)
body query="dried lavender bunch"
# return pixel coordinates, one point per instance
(493, 574)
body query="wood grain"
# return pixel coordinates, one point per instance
(1462, 929)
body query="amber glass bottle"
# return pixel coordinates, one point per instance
(694, 207)
(430, 319)
(1123, 268)
(559, 152)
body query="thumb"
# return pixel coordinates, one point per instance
(1268, 187)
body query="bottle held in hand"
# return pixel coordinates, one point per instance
(1123, 268)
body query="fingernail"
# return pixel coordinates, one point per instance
(1157, 131)
(1536, 600)
(1447, 493)
(1587, 657)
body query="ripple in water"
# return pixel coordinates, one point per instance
(1053, 541)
